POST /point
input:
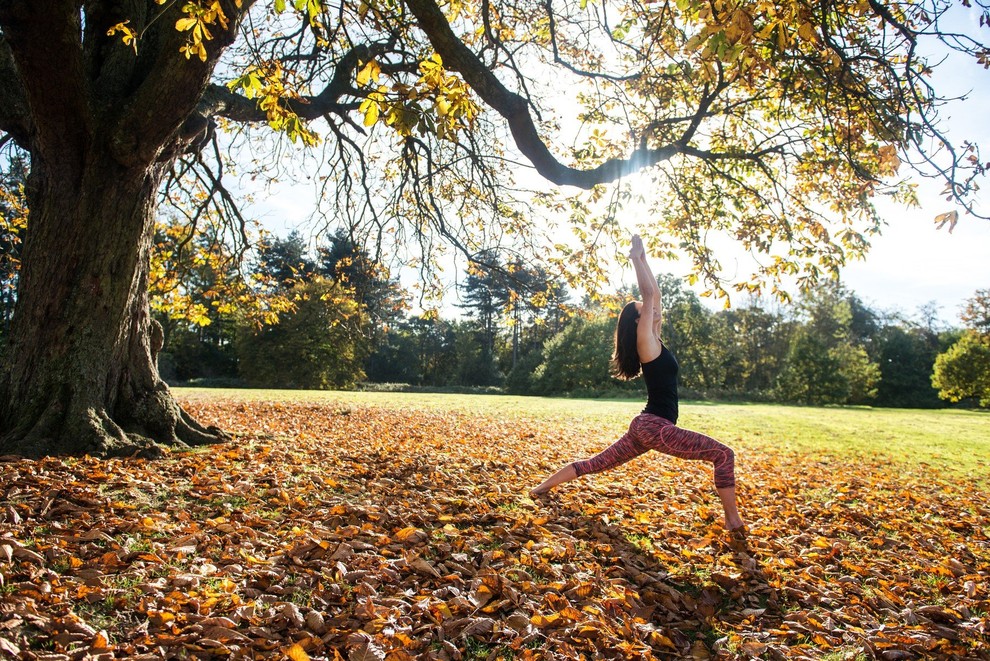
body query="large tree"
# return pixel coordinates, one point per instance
(962, 371)
(776, 122)
(380, 295)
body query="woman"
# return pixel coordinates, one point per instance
(638, 347)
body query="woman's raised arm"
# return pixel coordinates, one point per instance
(644, 275)
(650, 316)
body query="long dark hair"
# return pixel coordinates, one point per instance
(625, 358)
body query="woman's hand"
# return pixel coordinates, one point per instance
(637, 250)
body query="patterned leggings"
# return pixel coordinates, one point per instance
(651, 432)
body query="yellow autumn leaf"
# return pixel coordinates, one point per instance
(658, 638)
(185, 24)
(100, 641)
(545, 620)
(807, 32)
(949, 218)
(368, 73)
(297, 653)
(889, 161)
(370, 112)
(410, 534)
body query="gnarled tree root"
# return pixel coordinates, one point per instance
(148, 426)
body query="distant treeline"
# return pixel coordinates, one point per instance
(520, 333)
(288, 319)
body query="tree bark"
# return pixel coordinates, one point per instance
(80, 374)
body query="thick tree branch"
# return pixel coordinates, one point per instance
(15, 116)
(110, 63)
(514, 109)
(171, 90)
(219, 101)
(46, 49)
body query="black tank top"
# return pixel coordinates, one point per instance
(660, 375)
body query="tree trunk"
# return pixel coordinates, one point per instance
(80, 374)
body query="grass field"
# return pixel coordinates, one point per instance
(954, 441)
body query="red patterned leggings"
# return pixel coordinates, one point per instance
(651, 432)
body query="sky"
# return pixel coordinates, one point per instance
(913, 263)
(910, 264)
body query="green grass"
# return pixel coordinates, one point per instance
(956, 441)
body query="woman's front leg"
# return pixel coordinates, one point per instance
(728, 497)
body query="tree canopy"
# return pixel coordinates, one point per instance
(777, 124)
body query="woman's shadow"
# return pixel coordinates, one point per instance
(681, 591)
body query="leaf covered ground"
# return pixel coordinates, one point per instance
(337, 530)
